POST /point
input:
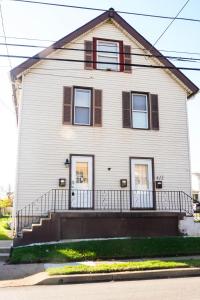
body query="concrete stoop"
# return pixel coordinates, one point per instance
(87, 225)
(188, 226)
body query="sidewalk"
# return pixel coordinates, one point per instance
(21, 275)
(34, 274)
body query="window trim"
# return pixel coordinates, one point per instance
(90, 108)
(120, 55)
(108, 55)
(148, 109)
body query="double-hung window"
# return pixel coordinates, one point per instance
(107, 51)
(82, 106)
(140, 111)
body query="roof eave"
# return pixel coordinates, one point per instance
(147, 45)
(67, 39)
(91, 24)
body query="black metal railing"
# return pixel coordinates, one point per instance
(57, 200)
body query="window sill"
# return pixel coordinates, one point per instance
(78, 125)
(81, 124)
(108, 70)
(140, 128)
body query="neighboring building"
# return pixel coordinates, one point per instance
(121, 130)
(196, 186)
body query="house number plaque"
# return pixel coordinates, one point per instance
(160, 177)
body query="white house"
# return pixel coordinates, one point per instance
(103, 127)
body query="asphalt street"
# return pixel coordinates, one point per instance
(173, 289)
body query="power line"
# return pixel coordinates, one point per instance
(179, 58)
(57, 69)
(104, 10)
(4, 35)
(26, 38)
(58, 75)
(53, 41)
(102, 62)
(183, 52)
(51, 69)
(175, 18)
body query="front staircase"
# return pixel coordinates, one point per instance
(53, 216)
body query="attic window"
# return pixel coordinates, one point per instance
(107, 54)
(110, 55)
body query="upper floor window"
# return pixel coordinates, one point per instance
(140, 111)
(82, 106)
(108, 55)
(107, 51)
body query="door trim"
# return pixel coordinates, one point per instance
(70, 178)
(153, 182)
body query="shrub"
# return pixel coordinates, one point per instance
(6, 202)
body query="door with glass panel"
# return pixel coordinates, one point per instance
(81, 182)
(141, 184)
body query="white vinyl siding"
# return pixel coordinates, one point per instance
(45, 143)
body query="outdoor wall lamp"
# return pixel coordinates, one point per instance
(67, 162)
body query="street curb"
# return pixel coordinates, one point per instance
(119, 276)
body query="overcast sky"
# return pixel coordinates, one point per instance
(43, 22)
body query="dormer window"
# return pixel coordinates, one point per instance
(107, 51)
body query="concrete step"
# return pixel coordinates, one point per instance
(4, 256)
(6, 243)
(4, 250)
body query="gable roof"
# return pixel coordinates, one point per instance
(109, 14)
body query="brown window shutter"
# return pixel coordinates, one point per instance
(67, 105)
(97, 108)
(127, 58)
(154, 112)
(88, 47)
(126, 109)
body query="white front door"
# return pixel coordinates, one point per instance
(141, 183)
(81, 181)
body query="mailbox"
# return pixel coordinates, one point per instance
(158, 184)
(62, 182)
(123, 183)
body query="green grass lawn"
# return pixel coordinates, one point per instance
(197, 217)
(5, 232)
(125, 266)
(107, 249)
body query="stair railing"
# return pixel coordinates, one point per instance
(58, 200)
